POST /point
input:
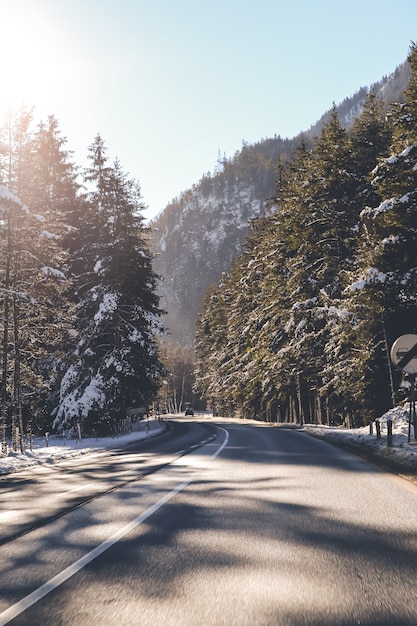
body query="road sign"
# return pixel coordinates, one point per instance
(404, 353)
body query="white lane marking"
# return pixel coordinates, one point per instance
(31, 599)
(224, 444)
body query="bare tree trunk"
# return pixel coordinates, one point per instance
(5, 347)
(319, 407)
(391, 379)
(174, 391)
(327, 411)
(18, 434)
(4, 375)
(300, 406)
(182, 391)
(294, 406)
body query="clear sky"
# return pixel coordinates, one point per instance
(169, 83)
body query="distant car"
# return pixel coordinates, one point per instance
(189, 411)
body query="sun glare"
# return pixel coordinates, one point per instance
(35, 56)
(22, 54)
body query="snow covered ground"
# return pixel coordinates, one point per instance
(402, 453)
(401, 456)
(58, 449)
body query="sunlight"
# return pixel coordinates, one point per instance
(25, 50)
(39, 59)
(11, 516)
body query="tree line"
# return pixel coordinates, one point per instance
(301, 327)
(79, 314)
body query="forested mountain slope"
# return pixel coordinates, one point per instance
(198, 234)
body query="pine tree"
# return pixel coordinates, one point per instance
(386, 284)
(53, 197)
(115, 364)
(253, 310)
(356, 350)
(404, 115)
(322, 224)
(211, 349)
(371, 136)
(35, 270)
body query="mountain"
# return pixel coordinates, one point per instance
(197, 235)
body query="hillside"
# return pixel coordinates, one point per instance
(197, 235)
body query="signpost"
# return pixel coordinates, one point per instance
(404, 356)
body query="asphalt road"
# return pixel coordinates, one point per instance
(260, 525)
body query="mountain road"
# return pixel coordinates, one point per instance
(216, 522)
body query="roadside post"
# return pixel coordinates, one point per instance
(389, 433)
(404, 356)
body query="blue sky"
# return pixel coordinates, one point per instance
(169, 83)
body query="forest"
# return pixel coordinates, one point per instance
(196, 237)
(300, 329)
(79, 314)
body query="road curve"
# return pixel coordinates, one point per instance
(273, 528)
(33, 497)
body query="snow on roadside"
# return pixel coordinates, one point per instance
(401, 452)
(60, 449)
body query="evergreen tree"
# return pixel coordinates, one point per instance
(211, 349)
(280, 343)
(356, 351)
(386, 285)
(324, 224)
(404, 114)
(253, 310)
(115, 364)
(33, 283)
(53, 197)
(371, 136)
(16, 133)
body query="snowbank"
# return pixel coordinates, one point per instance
(55, 448)
(401, 456)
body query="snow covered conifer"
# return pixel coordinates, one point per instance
(33, 273)
(115, 363)
(391, 224)
(384, 288)
(352, 369)
(211, 344)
